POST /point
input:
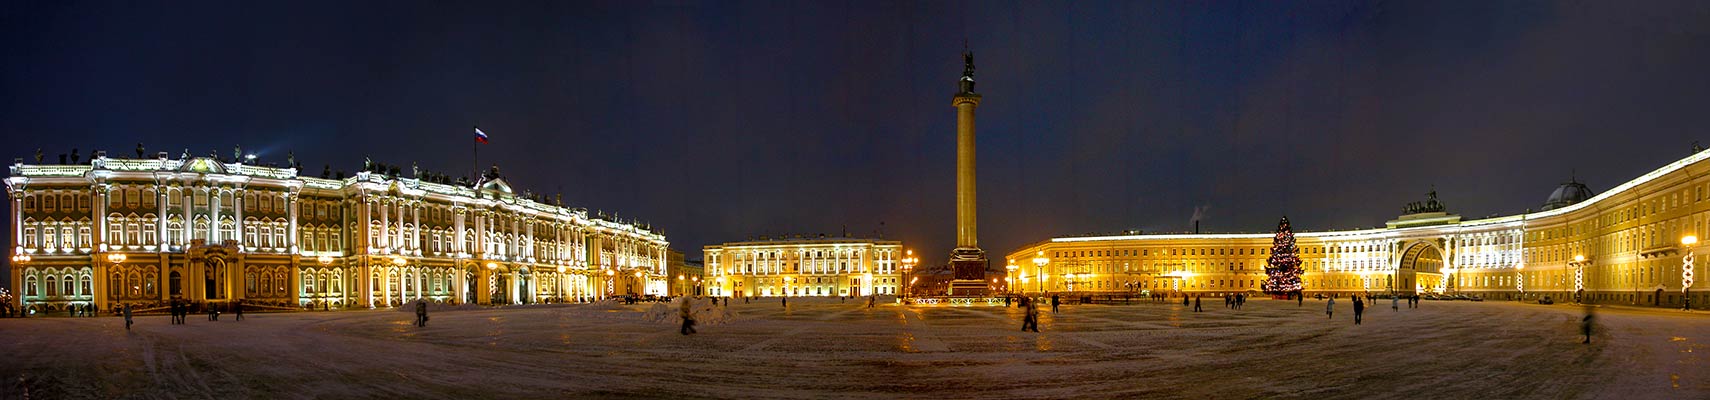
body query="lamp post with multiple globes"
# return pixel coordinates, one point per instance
(908, 263)
(1039, 262)
(1009, 278)
(17, 260)
(1689, 242)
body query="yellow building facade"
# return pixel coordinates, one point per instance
(1623, 245)
(147, 231)
(803, 267)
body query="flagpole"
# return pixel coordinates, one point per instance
(475, 159)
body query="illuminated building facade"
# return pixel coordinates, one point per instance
(803, 267)
(1624, 245)
(146, 231)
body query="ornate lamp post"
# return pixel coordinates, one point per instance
(1009, 278)
(642, 289)
(1039, 262)
(611, 282)
(17, 260)
(908, 262)
(1578, 276)
(1690, 242)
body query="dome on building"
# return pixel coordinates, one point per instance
(1568, 194)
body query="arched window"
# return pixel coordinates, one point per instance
(115, 284)
(30, 286)
(133, 284)
(280, 282)
(249, 283)
(175, 287)
(87, 285)
(52, 289)
(308, 283)
(148, 284)
(69, 285)
(266, 283)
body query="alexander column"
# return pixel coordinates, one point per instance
(967, 261)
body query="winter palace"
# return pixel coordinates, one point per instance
(1628, 244)
(144, 231)
(802, 266)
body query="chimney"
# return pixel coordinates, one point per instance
(1196, 227)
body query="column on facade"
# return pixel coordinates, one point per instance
(237, 198)
(214, 216)
(189, 222)
(291, 239)
(416, 234)
(100, 209)
(160, 218)
(385, 226)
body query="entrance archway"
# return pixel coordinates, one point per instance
(1421, 269)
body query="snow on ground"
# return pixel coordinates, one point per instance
(830, 348)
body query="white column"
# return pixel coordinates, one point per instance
(385, 233)
(160, 217)
(291, 201)
(416, 234)
(237, 197)
(189, 222)
(214, 216)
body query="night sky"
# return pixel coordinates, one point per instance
(721, 121)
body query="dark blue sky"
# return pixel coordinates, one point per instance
(719, 121)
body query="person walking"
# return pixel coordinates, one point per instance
(1185, 299)
(239, 308)
(421, 313)
(688, 316)
(1299, 299)
(128, 317)
(786, 301)
(1585, 324)
(1054, 302)
(1330, 309)
(1395, 303)
(1030, 320)
(1196, 304)
(1228, 301)
(872, 299)
(1359, 309)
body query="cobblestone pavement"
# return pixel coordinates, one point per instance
(825, 348)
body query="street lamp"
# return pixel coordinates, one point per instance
(1578, 276)
(1686, 272)
(1039, 262)
(908, 263)
(1006, 278)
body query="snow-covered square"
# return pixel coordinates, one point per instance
(820, 348)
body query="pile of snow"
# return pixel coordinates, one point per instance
(705, 313)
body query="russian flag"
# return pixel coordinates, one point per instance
(480, 136)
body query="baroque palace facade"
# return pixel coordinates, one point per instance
(803, 267)
(146, 231)
(1623, 245)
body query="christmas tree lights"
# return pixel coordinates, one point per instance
(1284, 264)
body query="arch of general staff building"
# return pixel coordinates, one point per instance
(147, 232)
(1624, 245)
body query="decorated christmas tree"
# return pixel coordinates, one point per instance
(1284, 265)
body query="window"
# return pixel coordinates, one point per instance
(51, 289)
(147, 198)
(50, 203)
(30, 286)
(30, 204)
(115, 199)
(83, 202)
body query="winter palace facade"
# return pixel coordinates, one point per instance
(835, 266)
(1624, 245)
(146, 231)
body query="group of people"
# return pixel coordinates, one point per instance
(1359, 308)
(1234, 301)
(85, 310)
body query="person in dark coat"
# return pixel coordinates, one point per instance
(1359, 309)
(1054, 303)
(1030, 320)
(239, 309)
(1585, 324)
(128, 318)
(1196, 300)
(421, 313)
(688, 315)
